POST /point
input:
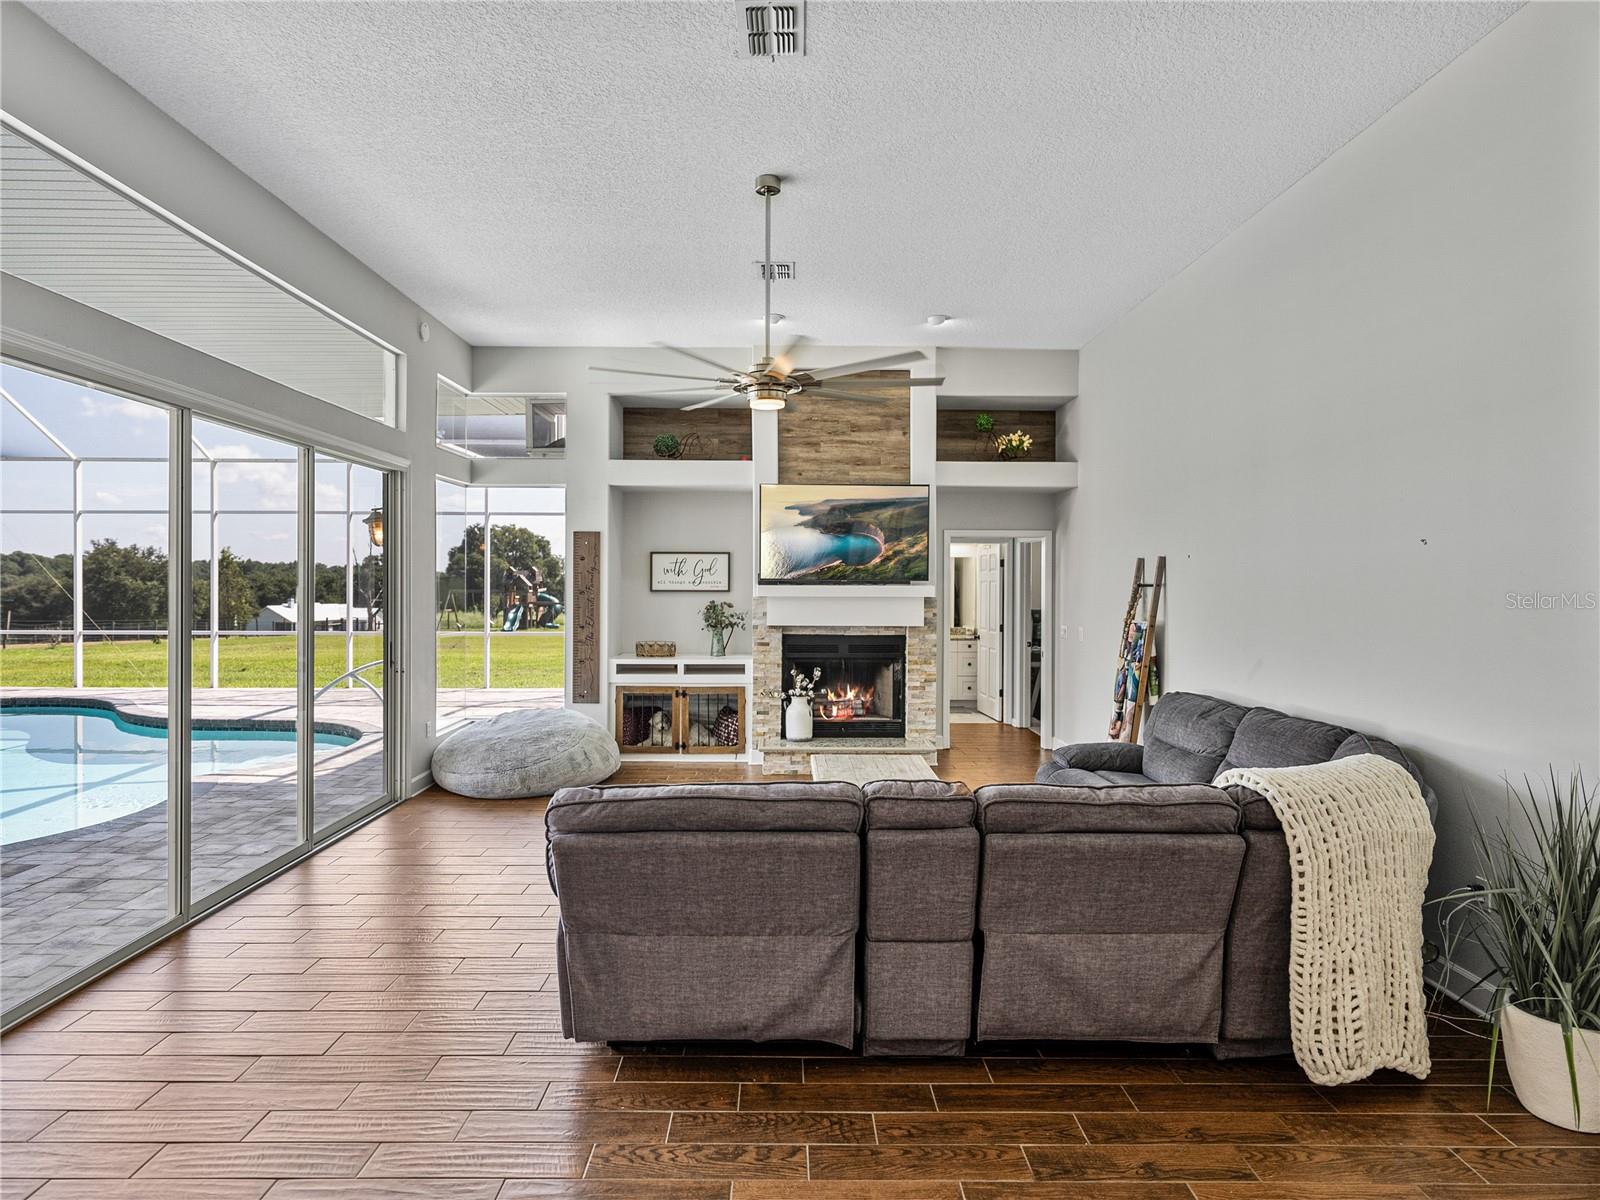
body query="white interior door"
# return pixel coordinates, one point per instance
(991, 615)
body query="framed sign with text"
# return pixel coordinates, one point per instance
(690, 570)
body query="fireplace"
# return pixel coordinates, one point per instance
(862, 690)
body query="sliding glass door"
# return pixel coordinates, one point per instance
(85, 651)
(350, 619)
(245, 718)
(193, 655)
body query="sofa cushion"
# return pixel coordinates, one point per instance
(1187, 736)
(918, 804)
(1059, 776)
(1128, 779)
(1101, 756)
(1036, 808)
(707, 807)
(1268, 738)
(1360, 743)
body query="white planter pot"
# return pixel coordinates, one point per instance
(797, 721)
(1536, 1057)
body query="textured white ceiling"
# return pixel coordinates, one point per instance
(582, 173)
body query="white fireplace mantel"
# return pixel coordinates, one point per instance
(902, 609)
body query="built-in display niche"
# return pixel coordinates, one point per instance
(707, 434)
(973, 435)
(861, 689)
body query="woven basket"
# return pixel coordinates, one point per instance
(655, 649)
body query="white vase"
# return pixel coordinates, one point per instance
(1536, 1057)
(797, 721)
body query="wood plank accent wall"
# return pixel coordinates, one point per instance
(584, 616)
(959, 442)
(723, 433)
(848, 441)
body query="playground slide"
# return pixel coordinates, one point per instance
(552, 609)
(513, 619)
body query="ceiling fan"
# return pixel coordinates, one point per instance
(768, 385)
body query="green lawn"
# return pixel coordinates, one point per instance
(532, 660)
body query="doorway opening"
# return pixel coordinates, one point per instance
(996, 608)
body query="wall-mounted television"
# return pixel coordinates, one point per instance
(845, 534)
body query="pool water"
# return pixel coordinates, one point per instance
(69, 767)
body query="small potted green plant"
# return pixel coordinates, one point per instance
(1535, 913)
(720, 618)
(983, 427)
(670, 445)
(1012, 446)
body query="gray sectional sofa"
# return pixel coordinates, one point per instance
(1190, 739)
(1120, 897)
(712, 911)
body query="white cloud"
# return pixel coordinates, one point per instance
(117, 406)
(274, 483)
(233, 451)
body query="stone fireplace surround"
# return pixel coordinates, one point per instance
(780, 757)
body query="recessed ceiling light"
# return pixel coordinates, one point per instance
(939, 318)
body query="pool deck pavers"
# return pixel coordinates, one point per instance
(69, 899)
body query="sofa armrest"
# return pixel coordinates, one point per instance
(919, 804)
(1102, 756)
(921, 875)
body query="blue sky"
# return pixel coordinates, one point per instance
(256, 485)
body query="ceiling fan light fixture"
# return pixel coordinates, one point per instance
(768, 397)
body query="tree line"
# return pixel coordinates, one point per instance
(125, 586)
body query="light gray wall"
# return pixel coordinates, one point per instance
(979, 509)
(1360, 423)
(680, 521)
(51, 85)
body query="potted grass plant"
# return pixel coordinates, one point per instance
(1535, 911)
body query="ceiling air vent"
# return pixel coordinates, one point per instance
(781, 271)
(773, 30)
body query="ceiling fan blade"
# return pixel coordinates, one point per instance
(658, 374)
(784, 362)
(840, 384)
(669, 394)
(694, 387)
(888, 360)
(832, 394)
(710, 402)
(699, 358)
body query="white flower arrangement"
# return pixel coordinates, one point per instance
(801, 687)
(1012, 446)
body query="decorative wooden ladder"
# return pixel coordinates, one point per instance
(1140, 699)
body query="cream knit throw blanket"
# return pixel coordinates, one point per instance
(1359, 847)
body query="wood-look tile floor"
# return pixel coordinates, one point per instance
(381, 1022)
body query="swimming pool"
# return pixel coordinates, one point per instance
(72, 765)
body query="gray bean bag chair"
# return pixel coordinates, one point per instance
(518, 754)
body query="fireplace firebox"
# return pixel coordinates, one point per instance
(862, 688)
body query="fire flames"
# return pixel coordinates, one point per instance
(845, 704)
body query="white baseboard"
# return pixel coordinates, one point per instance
(420, 782)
